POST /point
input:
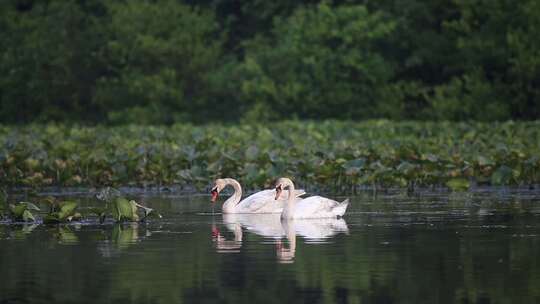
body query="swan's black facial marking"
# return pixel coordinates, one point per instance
(214, 192)
(278, 191)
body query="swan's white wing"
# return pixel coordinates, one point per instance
(319, 207)
(264, 202)
(314, 205)
(257, 201)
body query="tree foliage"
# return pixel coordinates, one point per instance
(162, 61)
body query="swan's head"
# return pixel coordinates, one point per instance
(219, 184)
(281, 184)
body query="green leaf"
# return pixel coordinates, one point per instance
(252, 153)
(17, 210)
(3, 201)
(66, 209)
(101, 213)
(484, 161)
(501, 176)
(122, 209)
(31, 206)
(405, 167)
(458, 184)
(353, 167)
(27, 216)
(431, 157)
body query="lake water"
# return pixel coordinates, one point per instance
(431, 247)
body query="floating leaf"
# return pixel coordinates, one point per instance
(458, 184)
(501, 176)
(405, 167)
(355, 163)
(431, 157)
(484, 161)
(67, 209)
(27, 216)
(122, 210)
(101, 213)
(21, 211)
(30, 206)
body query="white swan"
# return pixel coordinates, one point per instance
(311, 207)
(265, 201)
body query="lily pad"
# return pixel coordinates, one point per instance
(124, 210)
(458, 184)
(502, 176)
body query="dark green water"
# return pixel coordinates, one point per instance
(481, 247)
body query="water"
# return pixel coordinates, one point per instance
(437, 247)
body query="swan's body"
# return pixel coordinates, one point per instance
(261, 202)
(311, 207)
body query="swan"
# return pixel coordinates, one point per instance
(260, 202)
(311, 207)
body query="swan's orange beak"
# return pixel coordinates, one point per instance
(278, 191)
(214, 193)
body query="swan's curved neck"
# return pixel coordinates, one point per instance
(235, 198)
(288, 209)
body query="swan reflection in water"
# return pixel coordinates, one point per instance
(282, 231)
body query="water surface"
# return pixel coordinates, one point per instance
(430, 247)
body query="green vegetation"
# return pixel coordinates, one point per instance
(116, 206)
(61, 212)
(22, 211)
(332, 155)
(166, 61)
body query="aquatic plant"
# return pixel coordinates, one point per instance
(22, 211)
(329, 155)
(61, 211)
(120, 208)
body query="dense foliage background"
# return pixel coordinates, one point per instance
(162, 61)
(329, 155)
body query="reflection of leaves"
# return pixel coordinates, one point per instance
(65, 235)
(125, 235)
(24, 231)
